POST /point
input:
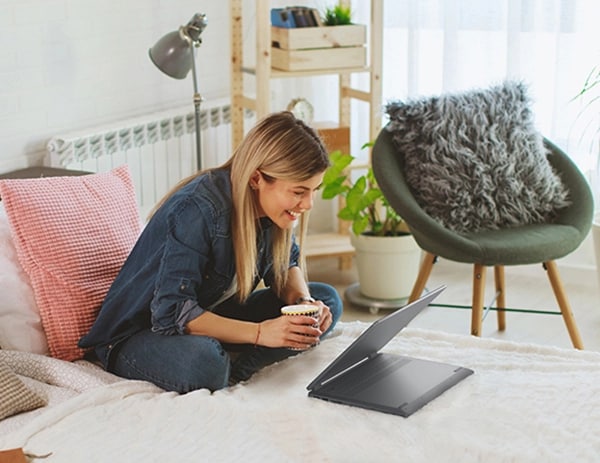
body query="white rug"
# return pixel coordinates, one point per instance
(525, 403)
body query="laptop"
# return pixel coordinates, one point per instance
(364, 377)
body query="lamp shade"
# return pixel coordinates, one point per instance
(172, 54)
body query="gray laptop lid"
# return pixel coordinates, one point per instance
(376, 336)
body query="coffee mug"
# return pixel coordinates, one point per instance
(302, 309)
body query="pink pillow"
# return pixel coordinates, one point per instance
(72, 235)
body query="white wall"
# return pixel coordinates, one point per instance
(69, 64)
(72, 64)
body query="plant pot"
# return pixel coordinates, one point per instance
(387, 265)
(596, 236)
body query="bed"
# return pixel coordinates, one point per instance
(524, 403)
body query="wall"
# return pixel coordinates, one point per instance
(68, 64)
(71, 64)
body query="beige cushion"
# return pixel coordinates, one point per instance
(15, 397)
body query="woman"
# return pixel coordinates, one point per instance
(185, 312)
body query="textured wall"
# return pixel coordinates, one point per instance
(67, 64)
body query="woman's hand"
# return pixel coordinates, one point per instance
(295, 332)
(292, 332)
(325, 317)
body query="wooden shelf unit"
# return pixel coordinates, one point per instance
(319, 245)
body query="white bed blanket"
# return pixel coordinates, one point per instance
(525, 403)
(54, 380)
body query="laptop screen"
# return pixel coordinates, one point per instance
(376, 336)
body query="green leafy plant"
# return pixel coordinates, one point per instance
(365, 205)
(338, 15)
(589, 95)
(591, 84)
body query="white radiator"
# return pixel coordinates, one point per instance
(159, 148)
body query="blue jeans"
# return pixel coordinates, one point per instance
(184, 363)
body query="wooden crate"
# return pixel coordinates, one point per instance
(311, 48)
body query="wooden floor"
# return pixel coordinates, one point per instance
(526, 287)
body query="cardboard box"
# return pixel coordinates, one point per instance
(313, 48)
(334, 136)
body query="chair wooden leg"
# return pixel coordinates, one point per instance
(478, 295)
(423, 276)
(501, 299)
(563, 303)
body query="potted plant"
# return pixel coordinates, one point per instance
(337, 15)
(387, 256)
(590, 97)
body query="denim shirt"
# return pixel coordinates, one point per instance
(182, 263)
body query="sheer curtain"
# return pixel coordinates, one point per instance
(435, 46)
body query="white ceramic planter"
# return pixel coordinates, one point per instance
(387, 266)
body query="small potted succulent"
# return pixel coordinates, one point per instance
(338, 15)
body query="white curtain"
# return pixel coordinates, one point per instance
(435, 46)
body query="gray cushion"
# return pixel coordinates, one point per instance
(475, 161)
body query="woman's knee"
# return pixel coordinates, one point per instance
(180, 363)
(207, 366)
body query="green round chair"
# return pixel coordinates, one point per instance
(529, 244)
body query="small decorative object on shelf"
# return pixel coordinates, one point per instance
(302, 109)
(338, 15)
(295, 16)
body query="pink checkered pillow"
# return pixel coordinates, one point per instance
(72, 235)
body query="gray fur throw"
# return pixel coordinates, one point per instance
(475, 161)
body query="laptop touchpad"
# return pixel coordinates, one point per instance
(406, 384)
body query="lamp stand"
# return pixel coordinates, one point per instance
(174, 54)
(197, 100)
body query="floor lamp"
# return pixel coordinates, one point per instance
(174, 54)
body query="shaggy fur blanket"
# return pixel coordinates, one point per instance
(475, 160)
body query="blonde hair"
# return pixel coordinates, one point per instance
(282, 148)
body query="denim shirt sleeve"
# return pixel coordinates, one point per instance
(185, 257)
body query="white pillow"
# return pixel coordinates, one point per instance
(20, 324)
